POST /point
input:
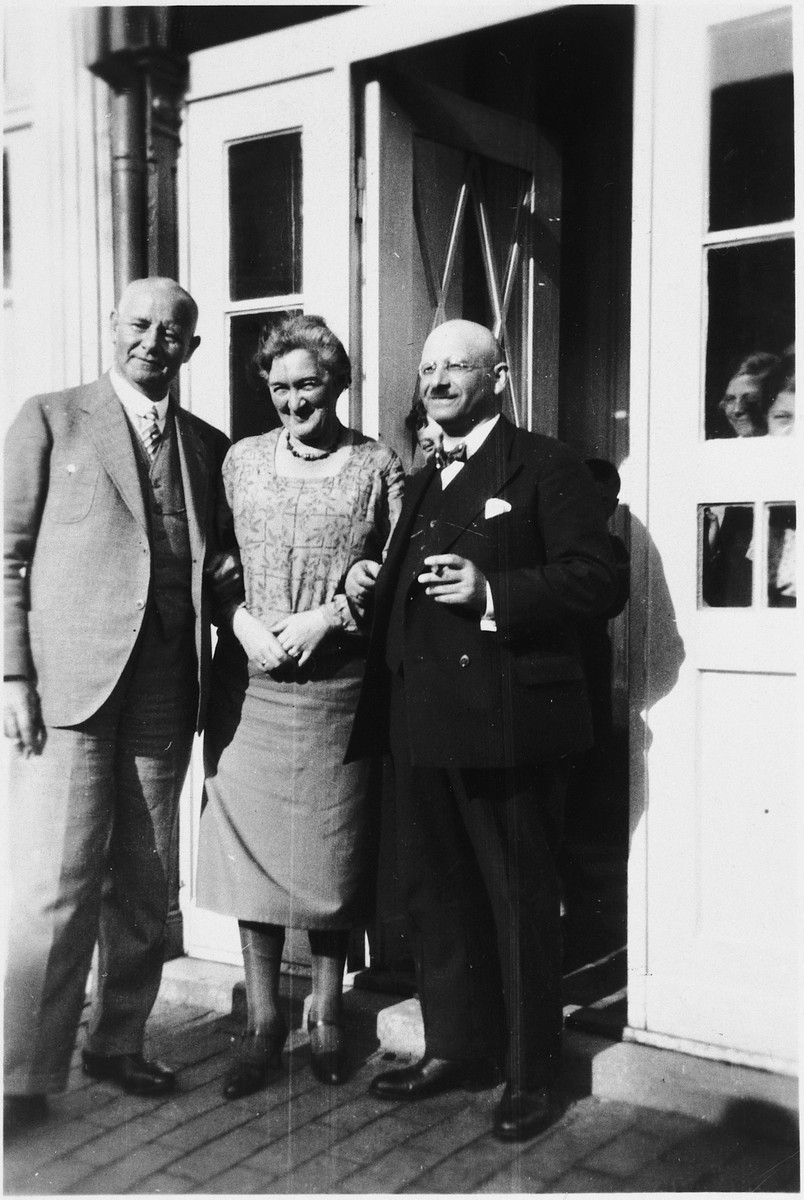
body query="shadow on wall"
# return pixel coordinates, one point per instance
(654, 673)
(608, 799)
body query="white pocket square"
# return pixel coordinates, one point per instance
(496, 507)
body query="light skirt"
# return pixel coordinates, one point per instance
(284, 829)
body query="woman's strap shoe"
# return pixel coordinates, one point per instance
(327, 1050)
(257, 1056)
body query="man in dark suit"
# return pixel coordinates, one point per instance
(111, 510)
(473, 665)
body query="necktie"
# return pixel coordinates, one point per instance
(445, 457)
(150, 434)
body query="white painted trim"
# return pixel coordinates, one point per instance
(20, 117)
(350, 37)
(797, 658)
(751, 233)
(371, 263)
(741, 1058)
(634, 474)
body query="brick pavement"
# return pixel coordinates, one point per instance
(299, 1137)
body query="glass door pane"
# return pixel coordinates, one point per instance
(265, 217)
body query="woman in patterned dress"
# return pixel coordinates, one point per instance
(283, 840)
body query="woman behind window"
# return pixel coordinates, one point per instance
(284, 825)
(782, 409)
(745, 400)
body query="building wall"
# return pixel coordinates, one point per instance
(58, 288)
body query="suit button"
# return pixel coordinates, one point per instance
(433, 524)
(464, 660)
(139, 604)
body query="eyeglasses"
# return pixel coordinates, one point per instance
(454, 369)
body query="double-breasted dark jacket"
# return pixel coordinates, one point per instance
(77, 545)
(525, 511)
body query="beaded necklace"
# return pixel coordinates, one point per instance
(312, 457)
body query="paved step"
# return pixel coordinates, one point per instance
(666, 1080)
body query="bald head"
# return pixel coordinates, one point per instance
(153, 328)
(463, 375)
(167, 290)
(477, 340)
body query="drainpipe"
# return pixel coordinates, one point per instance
(148, 83)
(128, 185)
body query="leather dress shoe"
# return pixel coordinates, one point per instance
(23, 1112)
(134, 1074)
(522, 1114)
(428, 1077)
(258, 1053)
(327, 1050)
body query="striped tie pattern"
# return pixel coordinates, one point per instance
(150, 434)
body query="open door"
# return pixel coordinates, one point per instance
(462, 218)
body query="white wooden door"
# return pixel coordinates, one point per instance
(462, 218)
(712, 938)
(266, 216)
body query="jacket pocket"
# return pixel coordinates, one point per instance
(533, 669)
(72, 490)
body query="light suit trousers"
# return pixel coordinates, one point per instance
(92, 822)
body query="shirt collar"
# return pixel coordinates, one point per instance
(134, 401)
(475, 438)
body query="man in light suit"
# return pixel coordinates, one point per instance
(111, 509)
(473, 666)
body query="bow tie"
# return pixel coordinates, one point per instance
(444, 457)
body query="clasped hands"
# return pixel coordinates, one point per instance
(293, 638)
(290, 639)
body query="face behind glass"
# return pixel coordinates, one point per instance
(782, 414)
(152, 330)
(304, 396)
(458, 381)
(428, 436)
(742, 406)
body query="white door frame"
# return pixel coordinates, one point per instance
(738, 1007)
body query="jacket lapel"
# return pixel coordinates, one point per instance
(193, 460)
(415, 487)
(485, 475)
(110, 433)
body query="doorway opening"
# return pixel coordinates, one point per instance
(501, 162)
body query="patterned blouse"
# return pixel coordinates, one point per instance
(299, 537)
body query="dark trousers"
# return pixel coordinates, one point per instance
(477, 853)
(91, 830)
